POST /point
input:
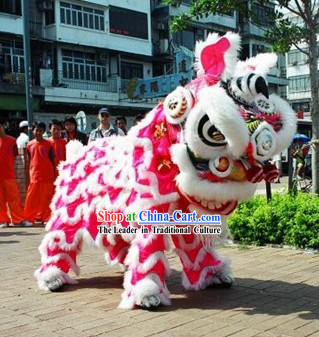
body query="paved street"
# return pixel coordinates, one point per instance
(275, 188)
(276, 294)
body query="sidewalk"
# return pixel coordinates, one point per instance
(275, 188)
(276, 293)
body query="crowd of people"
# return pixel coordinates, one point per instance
(42, 156)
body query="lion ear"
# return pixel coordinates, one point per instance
(217, 56)
(260, 64)
(212, 57)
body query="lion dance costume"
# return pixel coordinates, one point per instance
(204, 148)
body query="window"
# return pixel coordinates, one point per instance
(282, 90)
(229, 13)
(49, 15)
(188, 38)
(259, 48)
(82, 66)
(131, 70)
(304, 106)
(12, 59)
(244, 53)
(296, 57)
(299, 83)
(81, 16)
(127, 22)
(10, 7)
(262, 15)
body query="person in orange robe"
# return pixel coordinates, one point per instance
(58, 143)
(9, 190)
(41, 171)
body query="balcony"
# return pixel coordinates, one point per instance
(12, 80)
(79, 88)
(11, 23)
(91, 83)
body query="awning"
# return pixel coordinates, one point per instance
(17, 102)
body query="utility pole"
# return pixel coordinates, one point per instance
(290, 170)
(27, 65)
(268, 191)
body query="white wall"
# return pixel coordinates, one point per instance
(299, 95)
(11, 24)
(94, 38)
(79, 96)
(298, 70)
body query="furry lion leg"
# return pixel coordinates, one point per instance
(202, 267)
(58, 250)
(144, 281)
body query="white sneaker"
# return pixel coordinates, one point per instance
(3, 225)
(26, 223)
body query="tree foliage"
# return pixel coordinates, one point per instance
(281, 33)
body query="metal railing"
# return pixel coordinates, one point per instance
(78, 81)
(12, 76)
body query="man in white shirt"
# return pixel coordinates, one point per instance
(23, 139)
(105, 129)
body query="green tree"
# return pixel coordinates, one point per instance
(282, 33)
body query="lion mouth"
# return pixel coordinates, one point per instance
(211, 206)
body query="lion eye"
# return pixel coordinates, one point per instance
(217, 135)
(209, 134)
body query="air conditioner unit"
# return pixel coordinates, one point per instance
(163, 46)
(102, 56)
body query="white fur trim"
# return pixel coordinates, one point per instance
(132, 260)
(127, 301)
(204, 281)
(73, 149)
(289, 119)
(187, 262)
(133, 294)
(188, 246)
(144, 288)
(260, 64)
(49, 273)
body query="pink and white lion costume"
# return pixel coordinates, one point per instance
(204, 148)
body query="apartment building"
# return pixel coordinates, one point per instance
(12, 89)
(298, 90)
(116, 53)
(83, 53)
(166, 43)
